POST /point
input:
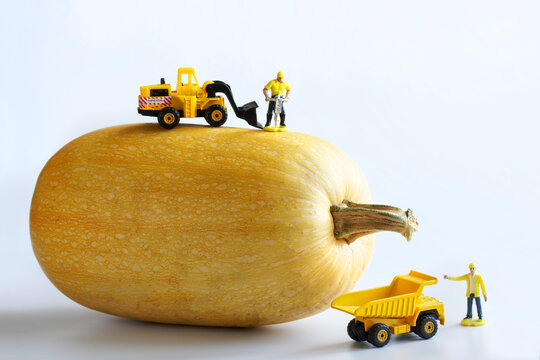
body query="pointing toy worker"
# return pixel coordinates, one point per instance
(474, 283)
(277, 87)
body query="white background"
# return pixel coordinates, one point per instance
(438, 102)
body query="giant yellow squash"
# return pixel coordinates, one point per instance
(207, 226)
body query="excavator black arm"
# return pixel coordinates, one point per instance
(246, 112)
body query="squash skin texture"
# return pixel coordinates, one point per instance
(198, 225)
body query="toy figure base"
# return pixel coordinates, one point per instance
(275, 128)
(473, 322)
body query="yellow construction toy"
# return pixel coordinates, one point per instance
(394, 309)
(190, 100)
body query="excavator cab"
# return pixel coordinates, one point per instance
(187, 84)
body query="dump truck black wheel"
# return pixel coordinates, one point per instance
(426, 326)
(168, 117)
(379, 335)
(356, 331)
(216, 115)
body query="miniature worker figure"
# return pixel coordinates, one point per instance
(277, 87)
(474, 283)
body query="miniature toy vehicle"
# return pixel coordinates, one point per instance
(397, 308)
(190, 100)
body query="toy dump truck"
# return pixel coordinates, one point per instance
(394, 309)
(190, 100)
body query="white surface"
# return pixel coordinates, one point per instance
(437, 103)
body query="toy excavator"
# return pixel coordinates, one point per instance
(191, 100)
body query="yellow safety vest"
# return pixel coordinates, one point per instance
(478, 283)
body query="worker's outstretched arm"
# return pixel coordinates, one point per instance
(458, 278)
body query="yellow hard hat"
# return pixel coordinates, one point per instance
(472, 265)
(280, 74)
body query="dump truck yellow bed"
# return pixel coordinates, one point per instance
(397, 300)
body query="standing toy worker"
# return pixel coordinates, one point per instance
(474, 283)
(275, 102)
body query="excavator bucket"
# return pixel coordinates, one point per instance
(248, 112)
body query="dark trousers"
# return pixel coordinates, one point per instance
(272, 106)
(478, 306)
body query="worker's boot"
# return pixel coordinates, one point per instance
(282, 126)
(268, 126)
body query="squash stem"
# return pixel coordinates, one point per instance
(352, 220)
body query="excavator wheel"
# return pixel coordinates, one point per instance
(216, 115)
(168, 117)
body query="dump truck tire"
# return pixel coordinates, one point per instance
(356, 330)
(216, 115)
(379, 335)
(168, 117)
(426, 326)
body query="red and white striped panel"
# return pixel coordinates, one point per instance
(154, 100)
